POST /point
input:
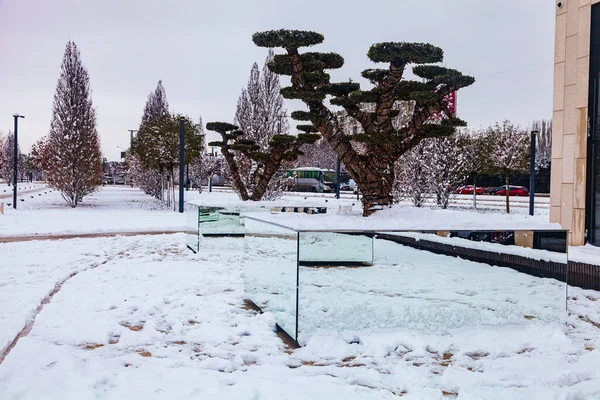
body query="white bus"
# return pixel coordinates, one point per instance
(309, 179)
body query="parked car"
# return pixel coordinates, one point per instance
(512, 191)
(350, 186)
(469, 190)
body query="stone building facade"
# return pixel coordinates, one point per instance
(575, 197)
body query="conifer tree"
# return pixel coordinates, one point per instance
(150, 180)
(156, 105)
(75, 158)
(372, 169)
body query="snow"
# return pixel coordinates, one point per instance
(587, 254)
(113, 209)
(526, 252)
(146, 318)
(404, 287)
(401, 218)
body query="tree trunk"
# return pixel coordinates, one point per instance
(235, 173)
(271, 168)
(507, 195)
(173, 189)
(376, 187)
(162, 186)
(475, 192)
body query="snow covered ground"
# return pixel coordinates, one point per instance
(143, 317)
(113, 209)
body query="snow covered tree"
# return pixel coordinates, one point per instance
(151, 181)
(444, 165)
(374, 169)
(411, 180)
(203, 168)
(266, 164)
(2, 161)
(543, 143)
(157, 142)
(8, 157)
(261, 114)
(156, 105)
(476, 150)
(509, 145)
(156, 146)
(319, 155)
(39, 154)
(75, 158)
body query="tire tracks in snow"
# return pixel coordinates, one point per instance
(4, 352)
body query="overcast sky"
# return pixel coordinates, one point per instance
(203, 52)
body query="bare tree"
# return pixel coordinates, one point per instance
(203, 168)
(39, 154)
(149, 180)
(411, 177)
(260, 115)
(477, 160)
(75, 159)
(444, 165)
(319, 155)
(508, 151)
(8, 157)
(543, 143)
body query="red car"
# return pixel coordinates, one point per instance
(469, 190)
(512, 191)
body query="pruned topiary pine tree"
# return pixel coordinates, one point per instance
(267, 163)
(383, 144)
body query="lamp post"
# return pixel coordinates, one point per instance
(181, 160)
(16, 157)
(123, 154)
(532, 172)
(131, 135)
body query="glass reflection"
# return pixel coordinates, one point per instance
(416, 281)
(335, 249)
(192, 237)
(219, 221)
(270, 271)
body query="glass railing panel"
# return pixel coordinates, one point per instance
(270, 271)
(192, 233)
(432, 282)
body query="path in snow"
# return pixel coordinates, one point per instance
(59, 236)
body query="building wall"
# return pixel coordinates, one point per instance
(569, 116)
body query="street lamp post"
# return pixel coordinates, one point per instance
(16, 157)
(181, 160)
(531, 173)
(123, 156)
(131, 136)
